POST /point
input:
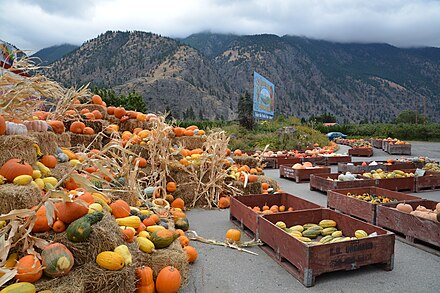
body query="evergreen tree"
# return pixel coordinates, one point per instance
(245, 111)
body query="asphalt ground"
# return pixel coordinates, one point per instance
(221, 269)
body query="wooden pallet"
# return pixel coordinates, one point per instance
(306, 262)
(322, 183)
(338, 199)
(300, 175)
(360, 152)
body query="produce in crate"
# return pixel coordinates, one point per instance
(372, 198)
(380, 174)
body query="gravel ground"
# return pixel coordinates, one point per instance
(220, 269)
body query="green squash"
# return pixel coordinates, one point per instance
(80, 229)
(182, 224)
(57, 260)
(163, 238)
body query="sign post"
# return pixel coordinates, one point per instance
(264, 98)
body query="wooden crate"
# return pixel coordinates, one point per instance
(338, 199)
(358, 168)
(335, 160)
(360, 152)
(288, 160)
(377, 143)
(305, 262)
(315, 161)
(246, 218)
(398, 149)
(322, 183)
(399, 166)
(413, 228)
(301, 174)
(398, 184)
(271, 162)
(385, 144)
(430, 181)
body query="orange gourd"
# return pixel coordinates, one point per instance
(89, 116)
(70, 211)
(88, 131)
(119, 112)
(179, 131)
(49, 161)
(184, 241)
(142, 162)
(41, 224)
(192, 127)
(77, 127)
(84, 111)
(403, 207)
(2, 125)
(57, 126)
(120, 209)
(178, 203)
(233, 235)
(171, 186)
(224, 202)
(168, 280)
(128, 235)
(28, 269)
(253, 178)
(188, 132)
(111, 110)
(191, 253)
(97, 100)
(97, 114)
(145, 281)
(59, 226)
(265, 186)
(15, 167)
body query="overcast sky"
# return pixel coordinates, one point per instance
(36, 24)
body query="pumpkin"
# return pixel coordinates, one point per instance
(120, 209)
(178, 203)
(87, 197)
(15, 128)
(191, 253)
(403, 207)
(28, 269)
(307, 164)
(171, 186)
(2, 125)
(59, 226)
(265, 186)
(21, 287)
(182, 224)
(145, 281)
(49, 161)
(70, 184)
(15, 167)
(70, 211)
(253, 178)
(36, 125)
(119, 112)
(111, 110)
(89, 116)
(224, 202)
(96, 100)
(184, 241)
(188, 132)
(128, 234)
(57, 126)
(41, 224)
(233, 235)
(77, 127)
(79, 230)
(97, 114)
(141, 117)
(84, 111)
(57, 260)
(88, 130)
(142, 162)
(110, 260)
(163, 238)
(168, 280)
(179, 131)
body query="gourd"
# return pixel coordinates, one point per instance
(62, 157)
(145, 244)
(182, 224)
(311, 233)
(22, 179)
(77, 127)
(2, 125)
(191, 253)
(131, 221)
(224, 202)
(110, 260)
(15, 167)
(163, 238)
(178, 203)
(171, 186)
(15, 128)
(57, 126)
(36, 125)
(145, 282)
(22, 287)
(28, 269)
(120, 209)
(233, 235)
(168, 280)
(41, 224)
(80, 230)
(327, 223)
(403, 207)
(70, 211)
(360, 234)
(57, 260)
(123, 251)
(49, 161)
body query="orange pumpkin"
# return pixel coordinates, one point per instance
(191, 253)
(128, 235)
(168, 280)
(141, 117)
(265, 186)
(224, 202)
(179, 131)
(41, 115)
(70, 112)
(57, 126)
(119, 112)
(70, 184)
(142, 162)
(111, 110)
(171, 186)
(120, 209)
(41, 224)
(184, 241)
(238, 152)
(145, 281)
(180, 232)
(233, 235)
(88, 131)
(15, 167)
(97, 114)
(89, 116)
(189, 132)
(178, 203)
(28, 269)
(77, 127)
(76, 101)
(86, 197)
(49, 161)
(97, 100)
(253, 178)
(59, 226)
(192, 127)
(149, 222)
(2, 125)
(84, 111)
(70, 211)
(137, 130)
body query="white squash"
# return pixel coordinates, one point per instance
(15, 128)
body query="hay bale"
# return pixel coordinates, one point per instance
(106, 235)
(255, 187)
(128, 196)
(252, 162)
(113, 120)
(14, 197)
(63, 140)
(131, 124)
(81, 141)
(72, 283)
(93, 107)
(46, 141)
(60, 170)
(190, 142)
(139, 149)
(97, 125)
(17, 146)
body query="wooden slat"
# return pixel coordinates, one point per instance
(322, 183)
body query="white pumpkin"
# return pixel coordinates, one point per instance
(36, 125)
(15, 128)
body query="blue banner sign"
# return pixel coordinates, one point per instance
(264, 96)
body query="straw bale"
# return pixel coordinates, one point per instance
(139, 149)
(255, 187)
(84, 140)
(17, 146)
(46, 141)
(60, 170)
(113, 120)
(131, 124)
(106, 235)
(97, 125)
(93, 107)
(63, 140)
(14, 197)
(252, 162)
(74, 282)
(128, 196)
(190, 142)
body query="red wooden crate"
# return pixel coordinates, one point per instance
(360, 152)
(320, 160)
(305, 262)
(301, 174)
(412, 227)
(358, 168)
(364, 210)
(377, 143)
(385, 144)
(241, 214)
(399, 166)
(322, 183)
(334, 160)
(430, 181)
(287, 161)
(271, 162)
(398, 149)
(398, 184)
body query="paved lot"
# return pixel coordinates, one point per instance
(220, 269)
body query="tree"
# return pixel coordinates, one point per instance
(410, 117)
(245, 111)
(133, 101)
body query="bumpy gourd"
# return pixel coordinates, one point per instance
(80, 229)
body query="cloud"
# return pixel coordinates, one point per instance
(34, 24)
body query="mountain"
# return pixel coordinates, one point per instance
(206, 73)
(51, 54)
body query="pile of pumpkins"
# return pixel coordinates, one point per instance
(305, 165)
(421, 211)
